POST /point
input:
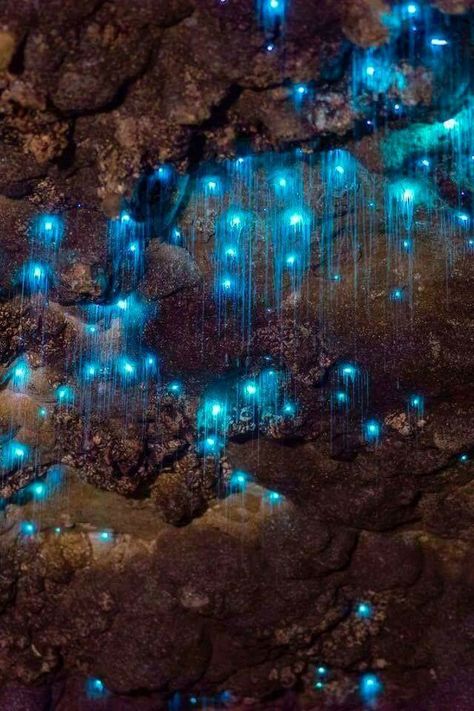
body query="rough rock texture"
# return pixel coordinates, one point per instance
(147, 567)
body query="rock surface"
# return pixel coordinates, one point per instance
(142, 574)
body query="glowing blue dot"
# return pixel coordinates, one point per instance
(38, 272)
(90, 328)
(463, 217)
(235, 221)
(282, 182)
(336, 277)
(48, 226)
(211, 185)
(95, 688)
(464, 458)
(370, 71)
(216, 410)
(42, 412)
(348, 371)
(227, 284)
(322, 670)
(425, 163)
(369, 687)
(133, 247)
(372, 430)
(193, 700)
(176, 234)
(38, 489)
(27, 528)
(128, 368)
(239, 480)
(364, 610)
(274, 4)
(57, 530)
(270, 47)
(231, 252)
(470, 242)
(339, 169)
(289, 409)
(397, 107)
(319, 684)
(408, 195)
(412, 9)
(296, 219)
(416, 401)
(64, 394)
(175, 387)
(122, 304)
(105, 536)
(125, 217)
(301, 89)
(450, 124)
(438, 42)
(341, 397)
(406, 244)
(274, 497)
(396, 295)
(291, 260)
(251, 389)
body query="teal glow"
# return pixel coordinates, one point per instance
(370, 688)
(28, 528)
(14, 455)
(19, 375)
(175, 387)
(364, 610)
(372, 431)
(65, 395)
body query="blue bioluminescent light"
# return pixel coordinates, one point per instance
(164, 172)
(336, 277)
(42, 412)
(126, 367)
(176, 235)
(20, 374)
(417, 402)
(48, 230)
(134, 248)
(38, 489)
(412, 9)
(341, 397)
(270, 47)
(125, 218)
(321, 670)
(396, 294)
(210, 446)
(274, 497)
(57, 530)
(239, 480)
(28, 528)
(91, 371)
(150, 362)
(231, 252)
(122, 304)
(65, 395)
(396, 107)
(370, 688)
(35, 277)
(212, 186)
(470, 243)
(250, 389)
(175, 387)
(438, 42)
(370, 70)
(301, 89)
(425, 162)
(463, 218)
(14, 455)
(449, 124)
(291, 260)
(464, 457)
(372, 430)
(105, 536)
(364, 610)
(319, 684)
(91, 328)
(296, 218)
(95, 688)
(407, 245)
(289, 409)
(348, 371)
